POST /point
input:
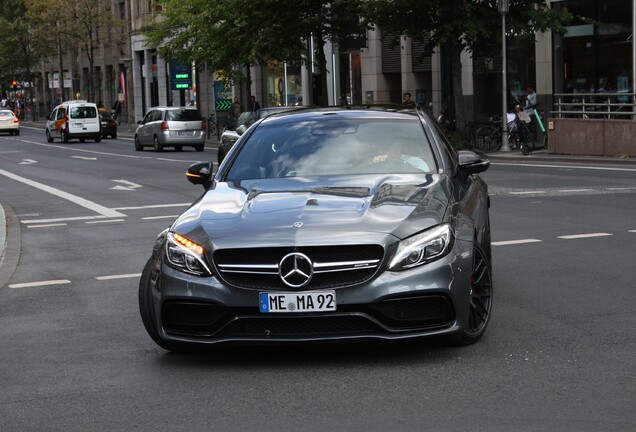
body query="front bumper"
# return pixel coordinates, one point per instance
(429, 300)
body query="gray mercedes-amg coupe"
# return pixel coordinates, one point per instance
(325, 225)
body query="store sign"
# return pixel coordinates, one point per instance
(180, 76)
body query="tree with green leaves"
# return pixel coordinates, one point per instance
(21, 50)
(464, 25)
(70, 27)
(230, 35)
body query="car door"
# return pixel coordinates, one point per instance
(144, 132)
(60, 120)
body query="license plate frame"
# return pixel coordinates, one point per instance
(297, 302)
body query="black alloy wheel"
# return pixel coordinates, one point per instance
(480, 300)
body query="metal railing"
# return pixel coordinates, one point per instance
(613, 106)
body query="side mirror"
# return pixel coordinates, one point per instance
(472, 162)
(200, 173)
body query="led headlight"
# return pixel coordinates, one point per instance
(186, 255)
(422, 248)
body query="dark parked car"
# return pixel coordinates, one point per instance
(244, 121)
(108, 125)
(324, 225)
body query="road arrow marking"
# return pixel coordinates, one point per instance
(128, 185)
(84, 157)
(27, 162)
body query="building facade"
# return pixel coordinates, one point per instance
(595, 54)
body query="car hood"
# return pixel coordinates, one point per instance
(277, 212)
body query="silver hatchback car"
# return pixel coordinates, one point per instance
(171, 127)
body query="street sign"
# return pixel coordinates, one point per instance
(223, 104)
(180, 76)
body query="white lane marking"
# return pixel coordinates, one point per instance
(528, 192)
(160, 217)
(120, 276)
(515, 242)
(634, 231)
(128, 183)
(595, 168)
(40, 283)
(84, 157)
(27, 162)
(104, 221)
(580, 236)
(620, 188)
(65, 195)
(36, 221)
(46, 225)
(106, 153)
(575, 190)
(152, 206)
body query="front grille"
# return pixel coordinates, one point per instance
(385, 317)
(333, 267)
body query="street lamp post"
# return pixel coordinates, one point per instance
(503, 10)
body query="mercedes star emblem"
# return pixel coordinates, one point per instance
(296, 269)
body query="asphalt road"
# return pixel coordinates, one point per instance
(558, 355)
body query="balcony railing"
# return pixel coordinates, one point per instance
(611, 106)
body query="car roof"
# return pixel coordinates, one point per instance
(331, 113)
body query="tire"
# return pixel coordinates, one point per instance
(147, 311)
(527, 142)
(64, 137)
(82, 140)
(157, 144)
(98, 138)
(480, 300)
(199, 147)
(114, 136)
(17, 132)
(178, 148)
(487, 139)
(49, 138)
(138, 145)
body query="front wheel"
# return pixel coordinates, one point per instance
(488, 139)
(480, 305)
(199, 147)
(138, 145)
(49, 138)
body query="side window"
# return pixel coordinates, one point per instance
(148, 117)
(157, 116)
(61, 112)
(53, 115)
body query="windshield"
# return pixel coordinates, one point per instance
(83, 112)
(183, 115)
(335, 147)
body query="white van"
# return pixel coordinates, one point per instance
(74, 119)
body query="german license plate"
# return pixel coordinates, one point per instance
(184, 133)
(314, 301)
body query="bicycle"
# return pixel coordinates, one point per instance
(215, 126)
(488, 137)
